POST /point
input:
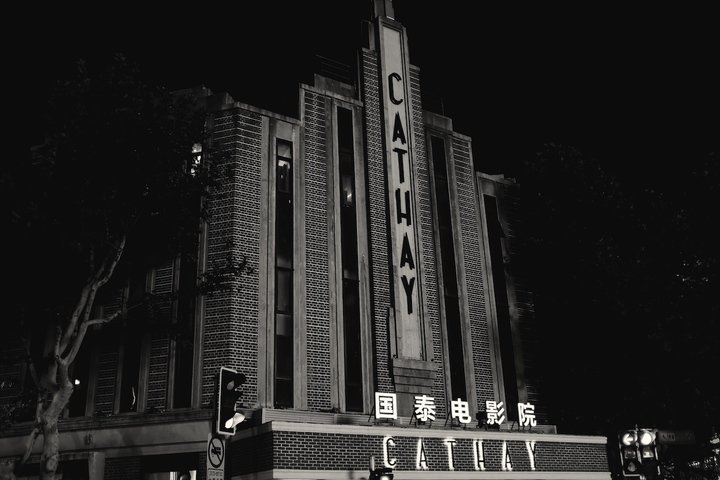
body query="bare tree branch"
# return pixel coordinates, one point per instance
(58, 338)
(30, 443)
(79, 307)
(77, 342)
(87, 297)
(100, 321)
(110, 268)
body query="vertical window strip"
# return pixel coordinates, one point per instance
(349, 248)
(453, 322)
(284, 301)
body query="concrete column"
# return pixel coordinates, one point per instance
(96, 465)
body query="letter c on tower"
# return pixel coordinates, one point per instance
(391, 86)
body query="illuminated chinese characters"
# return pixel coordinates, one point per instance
(425, 410)
(495, 412)
(385, 405)
(526, 415)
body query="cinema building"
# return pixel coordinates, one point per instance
(383, 318)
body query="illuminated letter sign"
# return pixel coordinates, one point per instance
(506, 462)
(420, 458)
(479, 455)
(401, 198)
(450, 443)
(487, 454)
(530, 444)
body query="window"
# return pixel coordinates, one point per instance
(131, 348)
(195, 159)
(284, 275)
(453, 325)
(352, 344)
(185, 338)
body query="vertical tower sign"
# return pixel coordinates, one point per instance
(400, 168)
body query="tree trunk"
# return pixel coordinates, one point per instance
(50, 457)
(51, 450)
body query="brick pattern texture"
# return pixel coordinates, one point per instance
(231, 317)
(428, 242)
(380, 285)
(317, 270)
(462, 161)
(332, 451)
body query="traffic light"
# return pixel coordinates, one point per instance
(629, 453)
(228, 394)
(381, 473)
(648, 453)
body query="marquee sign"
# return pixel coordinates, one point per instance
(432, 453)
(480, 460)
(401, 197)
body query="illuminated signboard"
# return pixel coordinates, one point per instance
(454, 449)
(425, 409)
(401, 197)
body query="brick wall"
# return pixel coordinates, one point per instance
(335, 451)
(317, 270)
(462, 158)
(252, 454)
(231, 318)
(428, 242)
(380, 286)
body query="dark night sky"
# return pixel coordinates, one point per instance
(635, 87)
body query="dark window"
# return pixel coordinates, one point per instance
(284, 291)
(130, 380)
(185, 338)
(349, 246)
(130, 374)
(73, 470)
(495, 235)
(453, 324)
(284, 298)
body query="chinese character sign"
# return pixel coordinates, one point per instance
(495, 412)
(424, 408)
(526, 414)
(460, 409)
(385, 405)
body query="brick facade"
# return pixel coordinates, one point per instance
(317, 271)
(462, 161)
(233, 323)
(231, 317)
(290, 447)
(377, 208)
